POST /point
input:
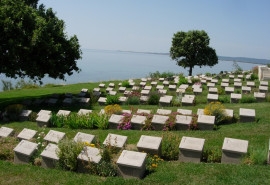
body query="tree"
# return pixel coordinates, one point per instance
(33, 42)
(192, 48)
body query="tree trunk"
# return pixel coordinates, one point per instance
(190, 70)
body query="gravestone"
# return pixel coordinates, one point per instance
(122, 89)
(83, 137)
(6, 132)
(67, 101)
(264, 83)
(247, 115)
(233, 150)
(180, 91)
(212, 97)
(166, 83)
(88, 155)
(184, 111)
(246, 89)
(147, 87)
(123, 99)
(96, 89)
(209, 85)
(206, 122)
(144, 99)
(229, 90)
(102, 85)
(142, 84)
(115, 120)
(27, 134)
(214, 80)
(127, 93)
(237, 80)
(164, 111)
(44, 112)
(260, 97)
(235, 98)
(172, 87)
(251, 84)
(137, 121)
(153, 83)
(108, 89)
(24, 151)
(200, 112)
(162, 92)
(225, 80)
(158, 121)
(126, 111)
(223, 84)
(24, 116)
(135, 88)
(43, 119)
(150, 144)
(191, 149)
(63, 113)
(84, 112)
(54, 136)
(49, 156)
(115, 140)
(237, 85)
(188, 100)
(52, 101)
(197, 91)
(139, 111)
(160, 87)
(231, 76)
(102, 101)
(183, 86)
(183, 122)
(112, 85)
(84, 102)
(165, 101)
(132, 164)
(113, 93)
(145, 92)
(263, 89)
(161, 79)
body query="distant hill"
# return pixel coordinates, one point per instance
(244, 59)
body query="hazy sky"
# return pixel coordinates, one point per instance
(237, 28)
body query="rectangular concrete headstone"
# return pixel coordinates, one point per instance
(84, 112)
(247, 115)
(150, 144)
(184, 111)
(54, 136)
(164, 111)
(132, 164)
(206, 122)
(191, 149)
(27, 134)
(183, 122)
(115, 120)
(233, 150)
(25, 115)
(137, 121)
(6, 132)
(158, 121)
(24, 151)
(235, 98)
(83, 137)
(115, 140)
(49, 156)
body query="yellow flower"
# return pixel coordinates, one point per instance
(154, 165)
(92, 145)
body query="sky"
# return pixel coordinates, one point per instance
(236, 28)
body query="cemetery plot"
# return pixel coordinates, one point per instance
(183, 122)
(115, 140)
(150, 144)
(27, 134)
(115, 120)
(24, 151)
(137, 121)
(6, 132)
(49, 156)
(158, 121)
(83, 137)
(247, 115)
(206, 122)
(54, 136)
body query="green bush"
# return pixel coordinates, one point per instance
(170, 146)
(133, 98)
(212, 155)
(126, 84)
(247, 99)
(100, 121)
(58, 121)
(154, 98)
(14, 111)
(216, 109)
(68, 153)
(224, 99)
(182, 80)
(254, 76)
(112, 99)
(6, 150)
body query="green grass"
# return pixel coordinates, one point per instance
(169, 172)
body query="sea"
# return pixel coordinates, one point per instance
(108, 65)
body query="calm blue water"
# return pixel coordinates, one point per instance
(100, 65)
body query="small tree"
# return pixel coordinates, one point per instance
(191, 49)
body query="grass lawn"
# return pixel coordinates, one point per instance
(253, 169)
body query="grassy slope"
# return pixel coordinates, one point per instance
(170, 172)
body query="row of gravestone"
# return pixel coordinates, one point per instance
(129, 163)
(182, 122)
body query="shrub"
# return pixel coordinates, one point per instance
(224, 99)
(247, 99)
(68, 153)
(177, 101)
(6, 150)
(154, 98)
(170, 146)
(212, 155)
(126, 84)
(112, 99)
(75, 121)
(221, 91)
(100, 121)
(152, 162)
(113, 109)
(170, 122)
(147, 125)
(182, 80)
(22, 84)
(125, 125)
(58, 121)
(254, 76)
(133, 98)
(13, 112)
(216, 109)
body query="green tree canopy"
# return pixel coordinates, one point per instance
(33, 42)
(191, 49)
